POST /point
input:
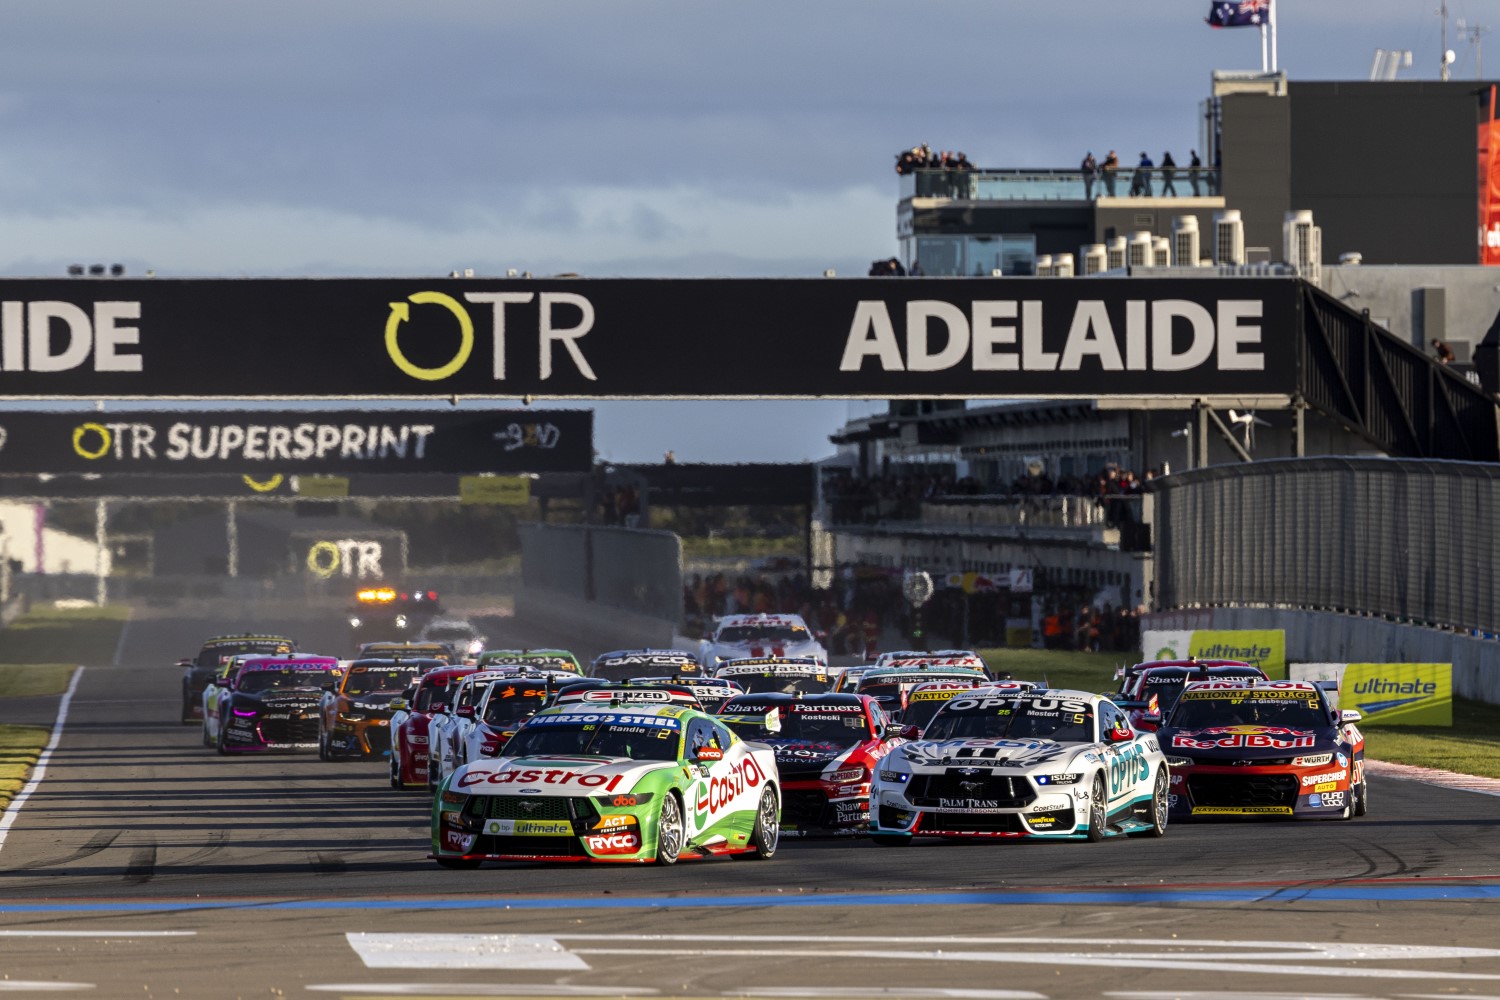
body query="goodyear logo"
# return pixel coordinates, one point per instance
(562, 319)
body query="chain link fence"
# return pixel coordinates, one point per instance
(1410, 540)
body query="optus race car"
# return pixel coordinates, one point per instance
(1267, 748)
(355, 719)
(199, 672)
(629, 783)
(741, 637)
(1039, 763)
(826, 750)
(273, 704)
(409, 724)
(767, 674)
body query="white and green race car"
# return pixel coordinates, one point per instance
(617, 782)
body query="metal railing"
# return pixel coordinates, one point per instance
(1060, 185)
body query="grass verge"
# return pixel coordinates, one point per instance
(28, 680)
(1470, 746)
(73, 635)
(20, 746)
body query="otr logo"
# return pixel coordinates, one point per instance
(549, 334)
(347, 557)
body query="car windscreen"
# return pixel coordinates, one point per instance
(804, 724)
(783, 683)
(1062, 719)
(212, 656)
(1167, 688)
(762, 633)
(429, 695)
(511, 702)
(919, 711)
(379, 681)
(1289, 708)
(283, 680)
(644, 741)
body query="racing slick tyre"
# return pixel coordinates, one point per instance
(890, 839)
(1157, 806)
(767, 832)
(1362, 804)
(219, 743)
(324, 751)
(669, 831)
(395, 773)
(1098, 810)
(467, 864)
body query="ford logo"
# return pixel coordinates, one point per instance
(529, 791)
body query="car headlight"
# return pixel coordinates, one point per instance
(1066, 778)
(401, 621)
(1179, 762)
(351, 718)
(354, 622)
(897, 776)
(1313, 760)
(476, 646)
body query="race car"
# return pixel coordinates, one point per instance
(405, 651)
(758, 675)
(1155, 690)
(827, 748)
(622, 664)
(273, 703)
(504, 707)
(386, 610)
(848, 678)
(924, 700)
(890, 685)
(741, 637)
(936, 658)
(630, 783)
(458, 634)
(1129, 676)
(199, 671)
(409, 720)
(354, 720)
(541, 659)
(1001, 763)
(1264, 748)
(446, 730)
(219, 687)
(711, 692)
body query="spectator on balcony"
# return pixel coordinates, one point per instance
(1168, 171)
(1444, 353)
(1140, 184)
(1195, 171)
(1108, 171)
(1090, 169)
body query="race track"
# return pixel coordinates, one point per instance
(144, 865)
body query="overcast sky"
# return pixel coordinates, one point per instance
(605, 137)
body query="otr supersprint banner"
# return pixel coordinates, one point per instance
(1389, 694)
(331, 441)
(1264, 648)
(624, 338)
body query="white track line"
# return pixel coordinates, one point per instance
(120, 643)
(40, 771)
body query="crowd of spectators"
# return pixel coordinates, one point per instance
(850, 617)
(1086, 627)
(943, 174)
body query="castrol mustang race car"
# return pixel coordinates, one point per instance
(355, 719)
(273, 704)
(740, 637)
(630, 783)
(767, 674)
(1039, 763)
(1264, 748)
(199, 672)
(826, 750)
(409, 724)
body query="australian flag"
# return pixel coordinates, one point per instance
(1239, 13)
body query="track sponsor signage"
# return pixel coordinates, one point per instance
(624, 338)
(262, 443)
(1390, 694)
(1264, 648)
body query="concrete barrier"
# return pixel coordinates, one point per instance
(1329, 637)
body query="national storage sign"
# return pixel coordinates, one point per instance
(632, 338)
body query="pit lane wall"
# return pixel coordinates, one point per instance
(605, 585)
(1330, 637)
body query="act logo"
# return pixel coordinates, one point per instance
(436, 311)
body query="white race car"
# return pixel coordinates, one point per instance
(741, 637)
(448, 728)
(458, 634)
(1001, 762)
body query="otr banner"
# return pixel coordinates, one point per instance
(1390, 694)
(298, 338)
(265, 442)
(1264, 648)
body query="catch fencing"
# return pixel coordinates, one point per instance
(627, 569)
(1412, 541)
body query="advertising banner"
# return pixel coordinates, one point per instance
(1399, 694)
(366, 338)
(1264, 648)
(264, 442)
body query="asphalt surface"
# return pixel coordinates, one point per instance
(144, 865)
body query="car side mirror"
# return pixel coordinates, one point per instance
(907, 732)
(1150, 723)
(464, 711)
(1119, 736)
(706, 754)
(1349, 715)
(185, 663)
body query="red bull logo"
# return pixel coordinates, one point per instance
(1251, 737)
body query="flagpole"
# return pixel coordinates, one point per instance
(1264, 64)
(1271, 15)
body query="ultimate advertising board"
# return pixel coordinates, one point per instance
(1389, 694)
(605, 338)
(1264, 648)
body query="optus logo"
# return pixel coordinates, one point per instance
(558, 318)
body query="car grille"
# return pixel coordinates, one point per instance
(527, 807)
(971, 822)
(1006, 790)
(1234, 790)
(804, 807)
(543, 847)
(293, 730)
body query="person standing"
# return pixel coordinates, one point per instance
(1110, 168)
(1168, 171)
(1140, 184)
(1195, 166)
(1089, 168)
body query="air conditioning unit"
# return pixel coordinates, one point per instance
(1161, 252)
(1095, 258)
(1062, 265)
(1229, 237)
(1114, 254)
(1185, 241)
(1302, 244)
(1044, 266)
(1139, 251)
